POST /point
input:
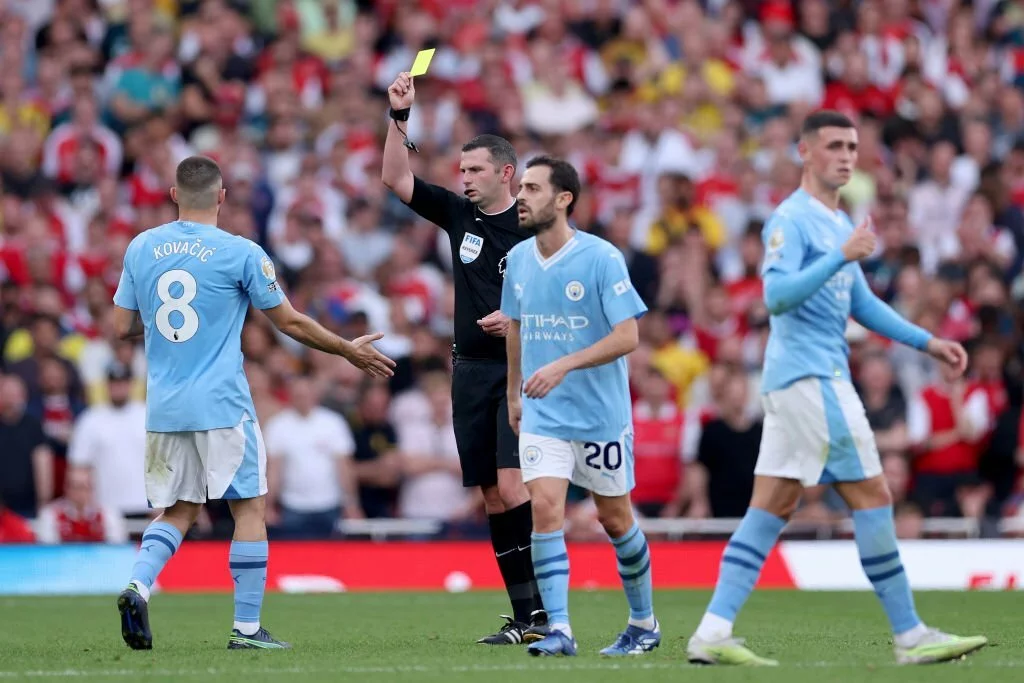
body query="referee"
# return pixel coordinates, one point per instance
(482, 226)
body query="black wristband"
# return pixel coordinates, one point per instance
(399, 114)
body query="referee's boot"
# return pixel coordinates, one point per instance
(509, 634)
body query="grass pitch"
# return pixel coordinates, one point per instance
(426, 637)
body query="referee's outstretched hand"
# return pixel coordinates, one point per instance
(364, 356)
(402, 92)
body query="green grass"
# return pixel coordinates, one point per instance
(405, 637)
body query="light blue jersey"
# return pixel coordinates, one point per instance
(811, 291)
(192, 284)
(564, 304)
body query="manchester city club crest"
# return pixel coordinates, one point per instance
(574, 291)
(531, 455)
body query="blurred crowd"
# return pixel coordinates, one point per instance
(682, 118)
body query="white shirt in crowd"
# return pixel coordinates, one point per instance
(112, 441)
(310, 446)
(434, 495)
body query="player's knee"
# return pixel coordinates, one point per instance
(182, 514)
(511, 489)
(865, 495)
(778, 496)
(548, 513)
(493, 504)
(249, 515)
(616, 519)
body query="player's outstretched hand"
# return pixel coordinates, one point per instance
(861, 243)
(949, 352)
(544, 380)
(364, 356)
(495, 324)
(402, 92)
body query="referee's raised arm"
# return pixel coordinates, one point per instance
(437, 204)
(395, 171)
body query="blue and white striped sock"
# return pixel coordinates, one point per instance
(875, 534)
(741, 565)
(634, 564)
(248, 563)
(551, 568)
(159, 543)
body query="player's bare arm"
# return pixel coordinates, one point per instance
(396, 173)
(623, 339)
(127, 323)
(515, 376)
(360, 352)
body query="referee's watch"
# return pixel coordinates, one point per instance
(399, 114)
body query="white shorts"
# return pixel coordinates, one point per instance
(215, 464)
(604, 467)
(816, 431)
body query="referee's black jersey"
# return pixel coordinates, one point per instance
(479, 245)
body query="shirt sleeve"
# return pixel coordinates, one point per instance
(344, 444)
(877, 316)
(919, 422)
(619, 298)
(437, 204)
(977, 412)
(125, 296)
(259, 279)
(509, 290)
(47, 531)
(786, 285)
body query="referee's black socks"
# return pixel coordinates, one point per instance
(510, 536)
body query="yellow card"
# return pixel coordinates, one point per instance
(419, 67)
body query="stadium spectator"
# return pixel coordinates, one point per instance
(884, 403)
(110, 440)
(377, 458)
(432, 479)
(13, 527)
(723, 476)
(945, 426)
(658, 428)
(27, 483)
(76, 517)
(681, 117)
(310, 476)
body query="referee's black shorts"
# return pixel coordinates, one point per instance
(485, 440)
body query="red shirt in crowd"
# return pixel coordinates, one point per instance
(657, 452)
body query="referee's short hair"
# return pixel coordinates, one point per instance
(198, 181)
(564, 177)
(500, 149)
(826, 118)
